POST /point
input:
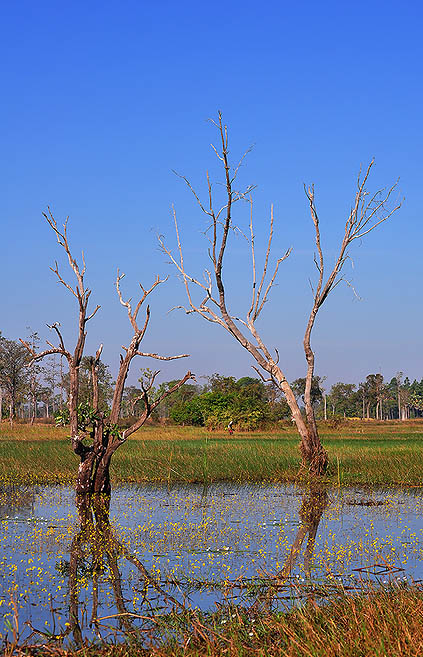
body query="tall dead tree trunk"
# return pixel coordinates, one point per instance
(367, 212)
(96, 438)
(12, 410)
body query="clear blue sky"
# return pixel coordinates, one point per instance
(101, 100)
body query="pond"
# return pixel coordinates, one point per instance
(194, 547)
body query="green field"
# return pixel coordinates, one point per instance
(373, 453)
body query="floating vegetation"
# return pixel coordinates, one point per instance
(196, 547)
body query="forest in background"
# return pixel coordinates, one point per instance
(40, 393)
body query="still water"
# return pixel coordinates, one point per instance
(193, 547)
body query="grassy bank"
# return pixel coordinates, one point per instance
(377, 624)
(360, 452)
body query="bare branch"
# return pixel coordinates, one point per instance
(271, 282)
(151, 407)
(133, 349)
(253, 260)
(82, 294)
(238, 166)
(55, 327)
(347, 282)
(269, 379)
(151, 380)
(94, 377)
(146, 293)
(180, 267)
(87, 319)
(127, 304)
(55, 270)
(315, 218)
(42, 354)
(158, 357)
(256, 307)
(133, 315)
(188, 184)
(63, 241)
(47, 352)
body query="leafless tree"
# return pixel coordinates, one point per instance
(368, 211)
(102, 433)
(34, 387)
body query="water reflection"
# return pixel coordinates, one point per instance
(95, 553)
(97, 556)
(313, 505)
(82, 572)
(17, 499)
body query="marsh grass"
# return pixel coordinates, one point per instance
(25, 432)
(375, 624)
(359, 453)
(380, 623)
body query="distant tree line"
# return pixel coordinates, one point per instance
(376, 398)
(29, 393)
(251, 404)
(41, 392)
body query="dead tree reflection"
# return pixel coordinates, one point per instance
(96, 553)
(313, 504)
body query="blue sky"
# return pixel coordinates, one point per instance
(102, 100)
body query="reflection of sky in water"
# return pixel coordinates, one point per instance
(199, 538)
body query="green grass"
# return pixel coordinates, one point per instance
(359, 453)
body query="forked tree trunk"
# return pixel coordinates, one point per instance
(367, 212)
(104, 438)
(93, 474)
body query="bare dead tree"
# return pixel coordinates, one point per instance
(103, 434)
(368, 211)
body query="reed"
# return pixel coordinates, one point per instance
(360, 453)
(375, 624)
